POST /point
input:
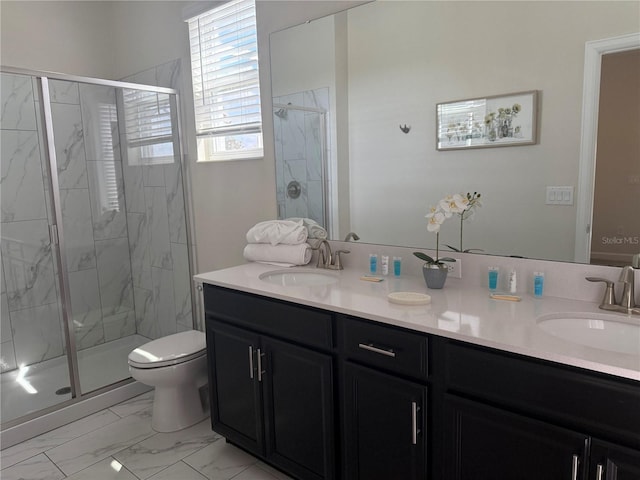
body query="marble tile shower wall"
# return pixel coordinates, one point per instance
(299, 144)
(124, 228)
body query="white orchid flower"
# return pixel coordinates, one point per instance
(454, 204)
(462, 202)
(436, 218)
(445, 205)
(432, 212)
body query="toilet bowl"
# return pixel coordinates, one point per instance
(176, 365)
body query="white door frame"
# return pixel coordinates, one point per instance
(593, 53)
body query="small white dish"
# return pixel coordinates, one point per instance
(409, 298)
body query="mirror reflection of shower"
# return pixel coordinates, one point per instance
(301, 155)
(282, 112)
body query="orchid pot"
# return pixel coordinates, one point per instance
(435, 275)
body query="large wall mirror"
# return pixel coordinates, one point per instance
(354, 114)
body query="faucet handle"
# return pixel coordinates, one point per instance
(609, 298)
(628, 294)
(338, 264)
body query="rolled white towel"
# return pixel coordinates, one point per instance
(276, 232)
(314, 228)
(278, 254)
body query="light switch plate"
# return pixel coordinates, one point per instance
(559, 196)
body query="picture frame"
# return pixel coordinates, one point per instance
(484, 122)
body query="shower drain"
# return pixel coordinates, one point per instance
(63, 391)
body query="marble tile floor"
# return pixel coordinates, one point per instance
(118, 444)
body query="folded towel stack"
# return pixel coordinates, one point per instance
(315, 230)
(281, 255)
(278, 242)
(275, 232)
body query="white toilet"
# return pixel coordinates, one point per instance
(176, 366)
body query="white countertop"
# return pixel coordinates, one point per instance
(466, 314)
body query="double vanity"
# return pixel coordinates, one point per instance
(317, 373)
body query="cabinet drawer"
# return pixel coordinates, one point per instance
(385, 347)
(604, 406)
(280, 319)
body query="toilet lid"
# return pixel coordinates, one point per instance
(169, 350)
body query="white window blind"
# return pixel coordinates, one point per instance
(148, 127)
(226, 86)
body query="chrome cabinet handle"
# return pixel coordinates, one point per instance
(599, 471)
(260, 371)
(381, 351)
(574, 467)
(250, 362)
(414, 423)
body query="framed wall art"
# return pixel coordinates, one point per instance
(496, 121)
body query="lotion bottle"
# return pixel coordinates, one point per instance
(512, 281)
(384, 262)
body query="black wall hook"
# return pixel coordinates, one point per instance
(405, 128)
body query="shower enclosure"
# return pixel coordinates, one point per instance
(95, 256)
(300, 126)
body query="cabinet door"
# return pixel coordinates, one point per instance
(484, 443)
(613, 462)
(298, 402)
(235, 395)
(384, 426)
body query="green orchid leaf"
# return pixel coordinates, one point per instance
(453, 248)
(424, 257)
(446, 259)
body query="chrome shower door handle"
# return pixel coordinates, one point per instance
(599, 472)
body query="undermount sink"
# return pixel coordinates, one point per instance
(615, 333)
(299, 277)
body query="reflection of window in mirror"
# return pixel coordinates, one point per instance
(616, 234)
(226, 86)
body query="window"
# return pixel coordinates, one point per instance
(226, 87)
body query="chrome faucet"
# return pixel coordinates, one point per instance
(324, 255)
(352, 235)
(609, 300)
(627, 303)
(328, 260)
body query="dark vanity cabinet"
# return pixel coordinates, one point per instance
(384, 401)
(485, 443)
(609, 461)
(271, 380)
(328, 396)
(515, 418)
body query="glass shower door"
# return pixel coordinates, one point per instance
(35, 370)
(123, 221)
(95, 258)
(94, 234)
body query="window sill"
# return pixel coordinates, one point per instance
(229, 159)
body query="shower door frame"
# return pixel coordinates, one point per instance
(56, 231)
